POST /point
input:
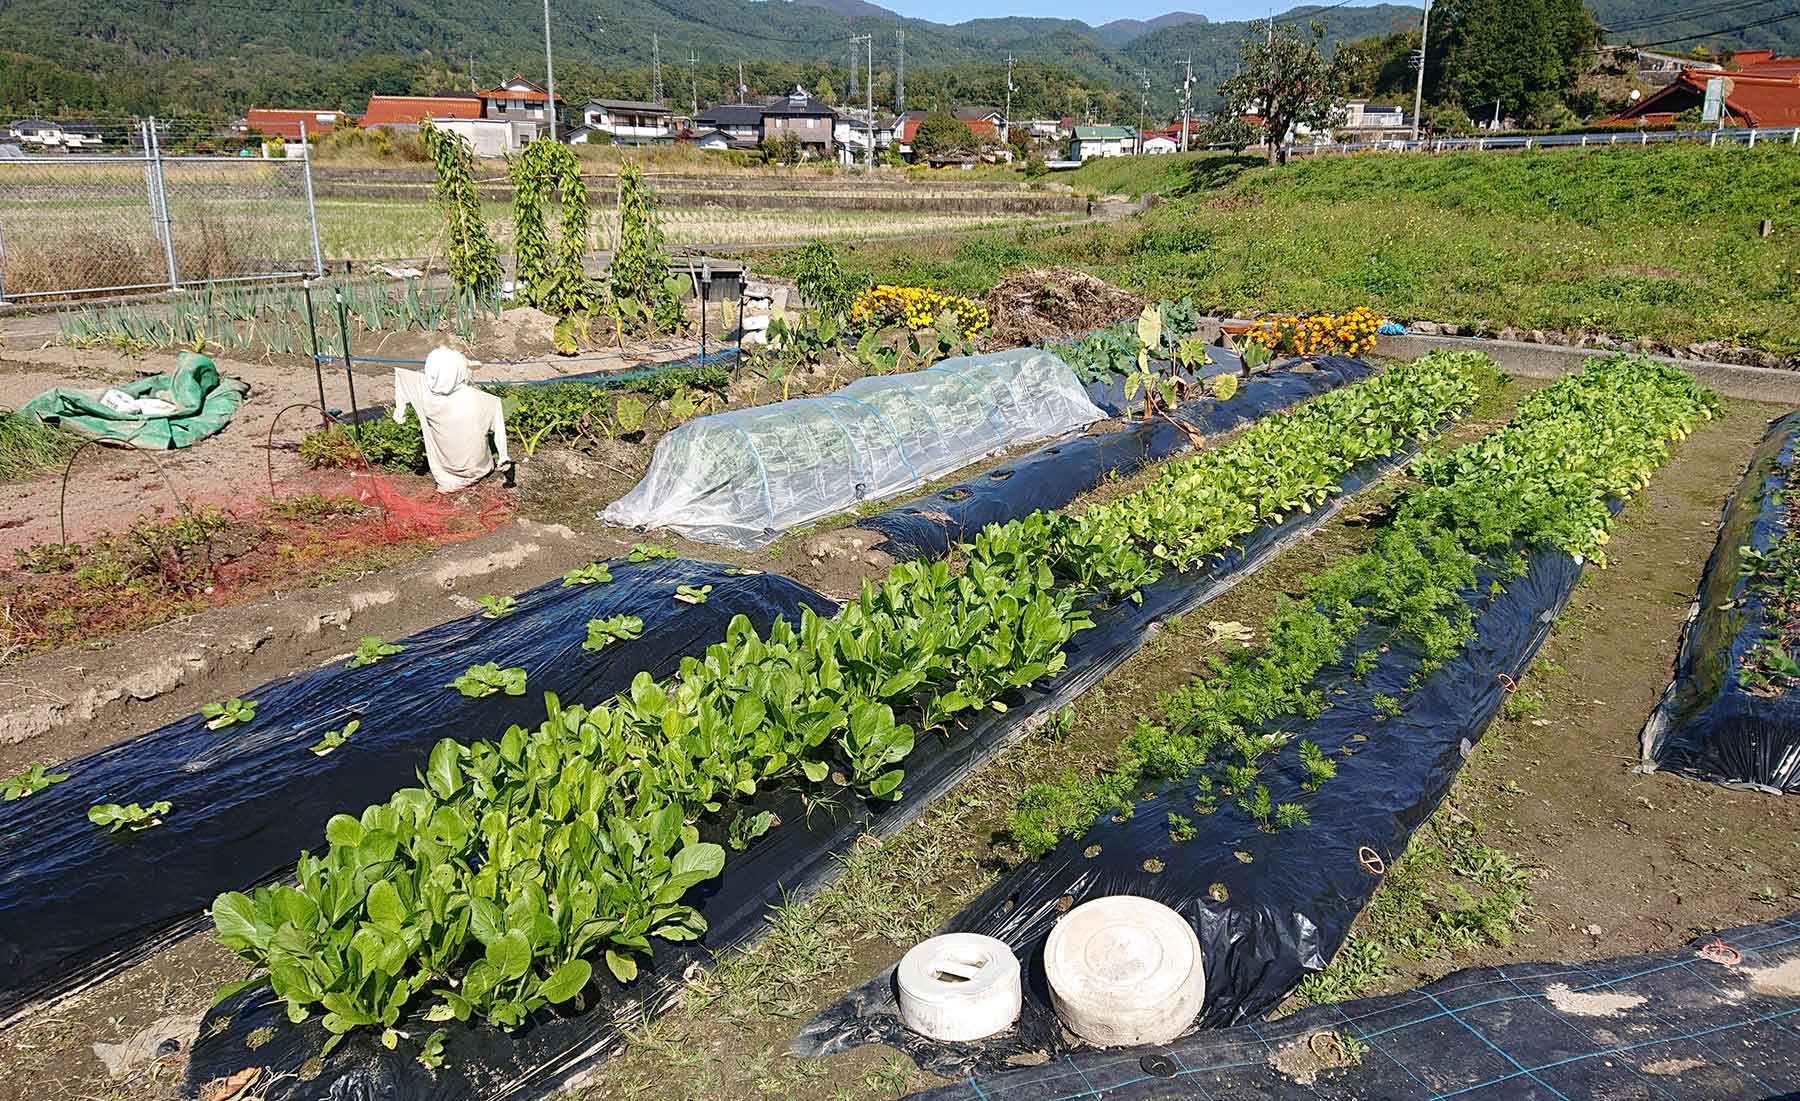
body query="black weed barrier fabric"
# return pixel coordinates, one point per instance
(1712, 1021)
(791, 862)
(1708, 725)
(1056, 474)
(1268, 907)
(78, 903)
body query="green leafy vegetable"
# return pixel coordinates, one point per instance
(594, 573)
(493, 607)
(371, 649)
(488, 679)
(335, 738)
(601, 633)
(128, 817)
(233, 711)
(31, 781)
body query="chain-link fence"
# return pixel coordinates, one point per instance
(78, 224)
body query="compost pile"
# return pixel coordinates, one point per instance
(1041, 304)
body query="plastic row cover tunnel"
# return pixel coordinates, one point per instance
(788, 863)
(1056, 474)
(1710, 1020)
(77, 902)
(1268, 907)
(743, 477)
(1710, 723)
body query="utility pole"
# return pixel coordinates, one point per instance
(549, 74)
(655, 69)
(743, 89)
(1006, 116)
(1419, 85)
(694, 78)
(1143, 105)
(900, 74)
(1187, 101)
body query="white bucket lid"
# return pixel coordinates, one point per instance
(1125, 970)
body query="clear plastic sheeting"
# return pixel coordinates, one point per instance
(742, 478)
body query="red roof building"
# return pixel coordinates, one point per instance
(985, 130)
(412, 110)
(1760, 90)
(286, 123)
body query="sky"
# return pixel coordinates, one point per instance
(956, 11)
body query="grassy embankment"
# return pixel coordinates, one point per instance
(1659, 243)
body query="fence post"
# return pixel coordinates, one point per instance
(1753, 137)
(1584, 141)
(312, 212)
(1643, 137)
(160, 193)
(1712, 140)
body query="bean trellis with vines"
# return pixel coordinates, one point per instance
(644, 295)
(474, 258)
(555, 283)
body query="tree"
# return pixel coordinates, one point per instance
(1526, 54)
(1228, 131)
(823, 91)
(782, 148)
(1286, 81)
(943, 133)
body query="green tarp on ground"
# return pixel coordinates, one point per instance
(204, 402)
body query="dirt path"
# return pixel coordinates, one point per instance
(1623, 862)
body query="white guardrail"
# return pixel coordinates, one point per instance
(1751, 136)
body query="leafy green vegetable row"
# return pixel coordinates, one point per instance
(1544, 480)
(495, 884)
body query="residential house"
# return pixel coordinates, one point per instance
(1365, 121)
(1045, 130)
(808, 119)
(852, 134)
(741, 123)
(626, 121)
(985, 129)
(714, 141)
(286, 122)
(460, 114)
(1089, 142)
(1760, 90)
(39, 132)
(1149, 141)
(517, 100)
(406, 112)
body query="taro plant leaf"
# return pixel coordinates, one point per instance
(128, 817)
(493, 607)
(371, 649)
(335, 738)
(629, 413)
(601, 633)
(33, 779)
(594, 573)
(230, 713)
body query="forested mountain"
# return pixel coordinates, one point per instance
(219, 56)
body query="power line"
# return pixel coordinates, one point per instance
(1293, 18)
(1692, 13)
(1769, 22)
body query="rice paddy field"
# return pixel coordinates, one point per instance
(89, 225)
